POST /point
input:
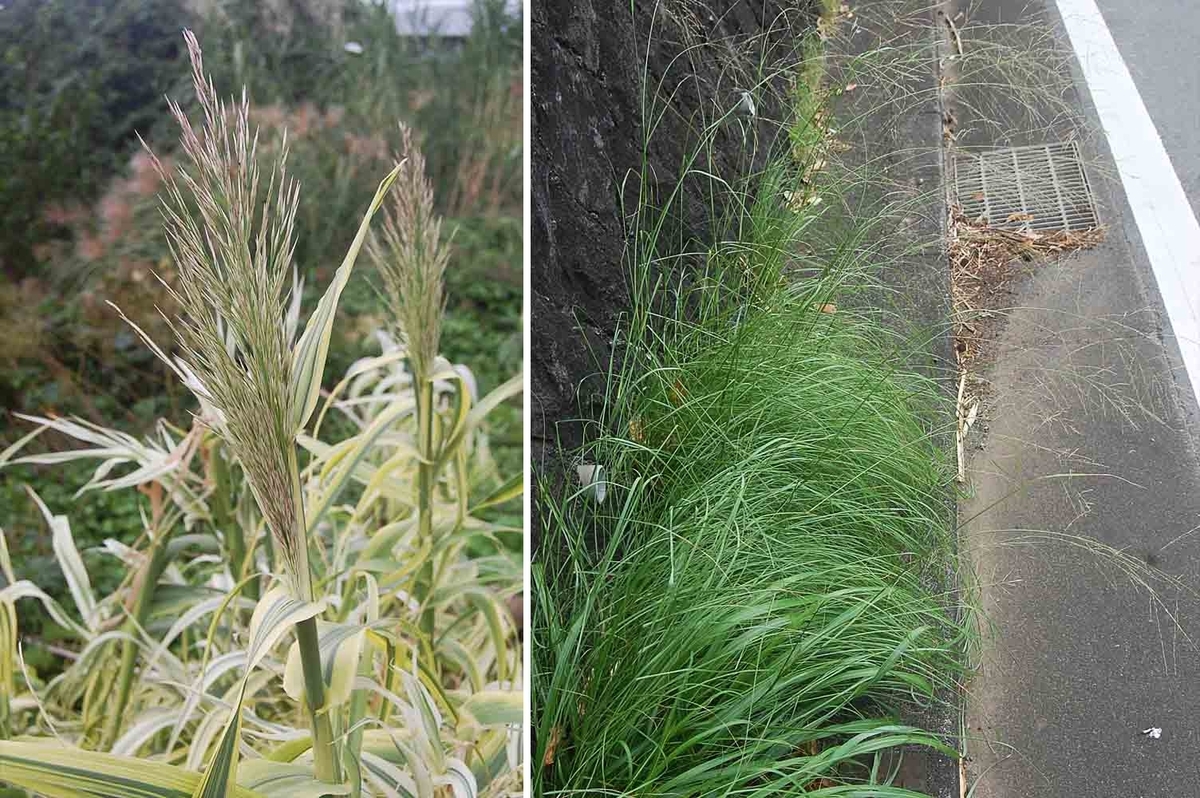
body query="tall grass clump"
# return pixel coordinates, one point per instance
(763, 590)
(375, 550)
(766, 590)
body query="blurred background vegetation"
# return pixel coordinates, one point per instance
(79, 223)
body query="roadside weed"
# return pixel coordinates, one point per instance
(767, 591)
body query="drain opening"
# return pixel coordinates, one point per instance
(1041, 188)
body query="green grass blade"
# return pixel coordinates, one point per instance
(513, 487)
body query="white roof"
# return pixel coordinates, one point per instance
(437, 17)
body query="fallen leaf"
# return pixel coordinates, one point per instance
(827, 307)
(970, 420)
(552, 746)
(795, 200)
(678, 394)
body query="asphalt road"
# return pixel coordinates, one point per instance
(1160, 42)
(1086, 476)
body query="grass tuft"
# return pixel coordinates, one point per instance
(763, 595)
(767, 589)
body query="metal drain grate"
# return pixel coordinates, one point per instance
(1026, 188)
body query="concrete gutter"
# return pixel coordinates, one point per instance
(894, 133)
(1086, 445)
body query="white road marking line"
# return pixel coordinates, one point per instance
(1169, 230)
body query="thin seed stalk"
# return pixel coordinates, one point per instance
(426, 483)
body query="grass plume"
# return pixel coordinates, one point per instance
(411, 259)
(234, 263)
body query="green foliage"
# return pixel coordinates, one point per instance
(78, 79)
(68, 353)
(761, 586)
(381, 545)
(97, 515)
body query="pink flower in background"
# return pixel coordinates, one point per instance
(90, 247)
(143, 176)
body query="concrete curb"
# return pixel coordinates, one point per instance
(906, 142)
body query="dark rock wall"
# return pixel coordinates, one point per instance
(588, 59)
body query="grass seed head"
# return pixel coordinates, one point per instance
(234, 258)
(412, 258)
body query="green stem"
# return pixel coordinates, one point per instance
(224, 519)
(328, 768)
(325, 749)
(8, 638)
(425, 485)
(145, 585)
(358, 711)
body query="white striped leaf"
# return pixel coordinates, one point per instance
(53, 770)
(308, 356)
(71, 563)
(8, 453)
(510, 388)
(194, 614)
(284, 780)
(8, 665)
(277, 612)
(388, 778)
(349, 459)
(5, 563)
(26, 589)
(459, 778)
(341, 648)
(213, 671)
(144, 727)
(496, 707)
(424, 722)
(418, 766)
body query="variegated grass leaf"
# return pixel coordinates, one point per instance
(277, 612)
(284, 780)
(78, 582)
(57, 771)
